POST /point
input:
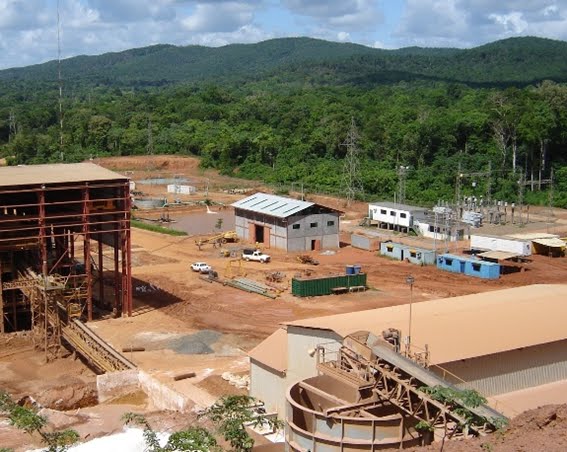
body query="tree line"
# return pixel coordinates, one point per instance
(282, 133)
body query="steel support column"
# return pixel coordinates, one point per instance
(1, 300)
(128, 209)
(87, 251)
(117, 288)
(100, 271)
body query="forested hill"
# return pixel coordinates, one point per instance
(514, 61)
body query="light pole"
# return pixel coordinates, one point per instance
(409, 280)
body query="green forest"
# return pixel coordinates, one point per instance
(280, 111)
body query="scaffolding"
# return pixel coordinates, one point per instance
(56, 221)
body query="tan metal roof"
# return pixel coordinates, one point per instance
(272, 352)
(499, 255)
(55, 174)
(552, 243)
(533, 235)
(467, 326)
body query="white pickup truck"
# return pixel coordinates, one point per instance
(255, 255)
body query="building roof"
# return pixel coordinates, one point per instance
(467, 326)
(55, 174)
(533, 236)
(498, 255)
(397, 206)
(272, 352)
(552, 243)
(275, 206)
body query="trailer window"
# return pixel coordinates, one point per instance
(330, 223)
(314, 225)
(296, 226)
(476, 267)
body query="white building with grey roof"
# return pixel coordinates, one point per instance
(286, 223)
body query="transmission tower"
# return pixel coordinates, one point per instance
(12, 124)
(351, 178)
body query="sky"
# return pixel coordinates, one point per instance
(28, 28)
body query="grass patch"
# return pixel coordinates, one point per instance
(155, 228)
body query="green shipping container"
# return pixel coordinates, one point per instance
(313, 287)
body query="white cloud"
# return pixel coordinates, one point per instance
(513, 22)
(243, 35)
(354, 15)
(343, 36)
(465, 23)
(219, 17)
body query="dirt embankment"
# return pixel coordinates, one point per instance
(543, 429)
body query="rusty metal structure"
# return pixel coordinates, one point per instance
(64, 237)
(368, 396)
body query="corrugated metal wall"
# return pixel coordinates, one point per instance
(515, 370)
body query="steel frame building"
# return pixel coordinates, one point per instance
(55, 223)
(286, 223)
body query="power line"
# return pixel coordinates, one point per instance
(351, 177)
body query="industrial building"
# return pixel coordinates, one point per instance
(394, 216)
(286, 223)
(400, 251)
(458, 339)
(64, 249)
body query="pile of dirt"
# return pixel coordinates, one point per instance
(68, 397)
(541, 429)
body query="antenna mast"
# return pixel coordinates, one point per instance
(60, 81)
(351, 178)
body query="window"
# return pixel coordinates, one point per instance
(314, 225)
(413, 254)
(296, 226)
(476, 267)
(383, 211)
(390, 248)
(392, 213)
(448, 261)
(330, 223)
(403, 215)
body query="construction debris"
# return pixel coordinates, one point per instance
(275, 277)
(306, 259)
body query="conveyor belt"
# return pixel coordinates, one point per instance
(88, 344)
(426, 377)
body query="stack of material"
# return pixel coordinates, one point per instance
(250, 285)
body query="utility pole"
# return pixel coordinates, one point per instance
(351, 178)
(402, 178)
(409, 281)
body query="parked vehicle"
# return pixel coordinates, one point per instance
(201, 267)
(255, 255)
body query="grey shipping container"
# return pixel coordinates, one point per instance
(365, 243)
